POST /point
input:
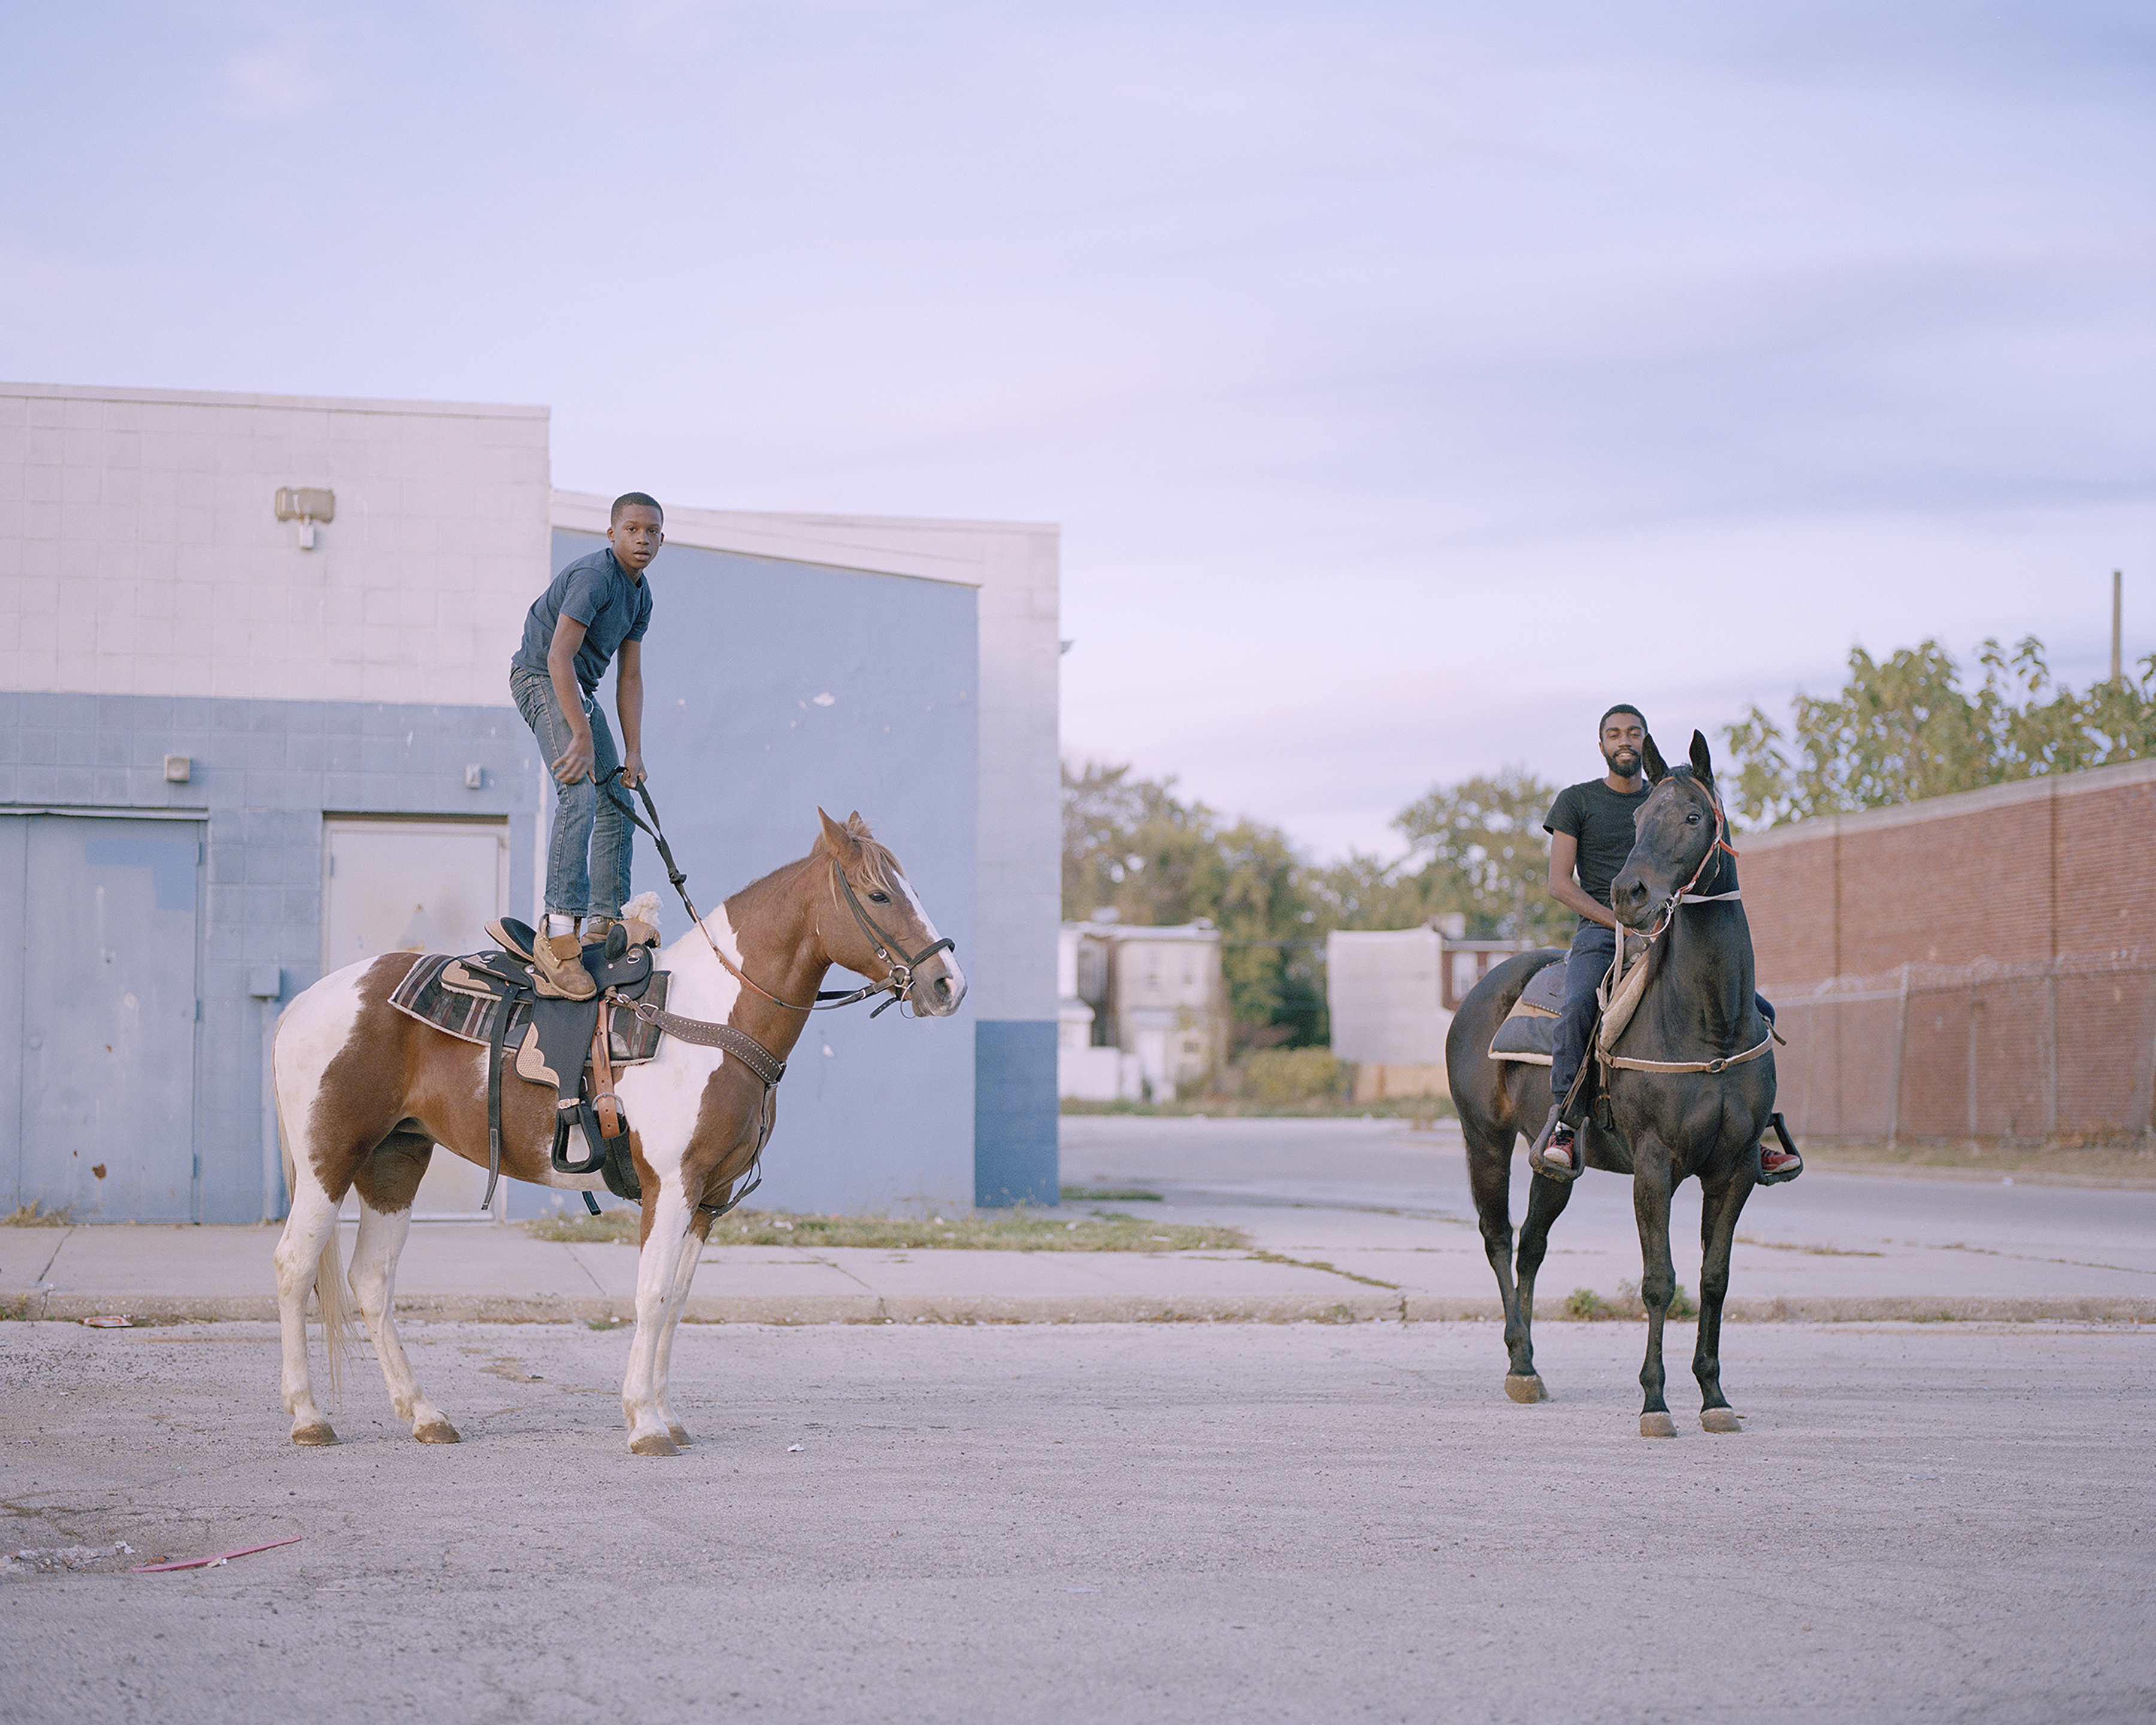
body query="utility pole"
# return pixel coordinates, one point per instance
(2117, 581)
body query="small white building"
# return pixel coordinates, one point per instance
(1144, 1011)
(1391, 994)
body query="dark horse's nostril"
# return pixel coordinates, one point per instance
(943, 986)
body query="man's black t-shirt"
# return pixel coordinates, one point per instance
(1601, 820)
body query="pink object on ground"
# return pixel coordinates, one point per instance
(215, 1557)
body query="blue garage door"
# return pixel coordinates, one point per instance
(106, 1015)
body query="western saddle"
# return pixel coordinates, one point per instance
(575, 1046)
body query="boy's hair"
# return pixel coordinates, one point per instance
(632, 500)
(1621, 707)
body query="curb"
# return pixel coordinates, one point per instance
(1359, 1306)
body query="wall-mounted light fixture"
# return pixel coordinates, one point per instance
(306, 504)
(179, 768)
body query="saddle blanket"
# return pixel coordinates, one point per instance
(441, 989)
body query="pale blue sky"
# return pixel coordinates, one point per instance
(1410, 381)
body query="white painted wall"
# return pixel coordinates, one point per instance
(141, 554)
(1015, 566)
(1383, 992)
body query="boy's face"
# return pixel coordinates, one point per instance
(635, 537)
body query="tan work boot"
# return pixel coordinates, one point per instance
(558, 963)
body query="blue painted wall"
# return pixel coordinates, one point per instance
(743, 746)
(265, 774)
(1015, 1113)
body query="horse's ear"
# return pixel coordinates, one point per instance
(857, 827)
(1702, 763)
(835, 838)
(1650, 759)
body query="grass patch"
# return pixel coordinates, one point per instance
(1109, 1194)
(1019, 1229)
(1419, 1110)
(34, 1214)
(1586, 1306)
(1275, 1257)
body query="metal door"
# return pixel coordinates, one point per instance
(415, 885)
(108, 1016)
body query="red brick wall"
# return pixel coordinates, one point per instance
(2021, 874)
(2053, 880)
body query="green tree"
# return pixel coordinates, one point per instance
(1134, 846)
(1485, 852)
(1904, 728)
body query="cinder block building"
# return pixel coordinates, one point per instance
(239, 750)
(1977, 966)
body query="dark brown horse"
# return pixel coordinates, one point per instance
(1695, 1117)
(364, 1093)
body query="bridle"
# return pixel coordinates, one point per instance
(898, 966)
(1685, 894)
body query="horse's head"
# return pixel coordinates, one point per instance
(1679, 828)
(880, 931)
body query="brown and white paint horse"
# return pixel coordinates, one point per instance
(365, 1093)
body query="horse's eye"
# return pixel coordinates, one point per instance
(1692, 819)
(879, 898)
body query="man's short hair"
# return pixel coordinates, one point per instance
(634, 499)
(1621, 707)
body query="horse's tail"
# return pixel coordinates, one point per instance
(333, 1301)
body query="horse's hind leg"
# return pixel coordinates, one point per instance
(382, 1237)
(306, 1251)
(1489, 1178)
(1545, 1202)
(1722, 1203)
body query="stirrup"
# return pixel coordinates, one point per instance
(1781, 1131)
(1572, 1169)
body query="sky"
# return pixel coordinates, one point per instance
(1409, 382)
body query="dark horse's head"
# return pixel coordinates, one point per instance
(1680, 831)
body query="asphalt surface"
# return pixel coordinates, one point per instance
(1099, 1522)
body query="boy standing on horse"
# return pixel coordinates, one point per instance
(597, 607)
(1591, 831)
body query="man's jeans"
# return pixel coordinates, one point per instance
(1593, 950)
(587, 825)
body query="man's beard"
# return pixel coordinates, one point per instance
(1617, 761)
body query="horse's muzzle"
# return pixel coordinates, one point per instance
(1633, 900)
(938, 987)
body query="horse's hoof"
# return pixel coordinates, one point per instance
(1722, 1420)
(317, 1433)
(654, 1443)
(1657, 1426)
(436, 1431)
(679, 1435)
(1527, 1388)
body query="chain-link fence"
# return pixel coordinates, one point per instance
(2065, 1050)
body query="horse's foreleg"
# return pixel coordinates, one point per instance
(1545, 1202)
(1721, 1204)
(1658, 1279)
(660, 1283)
(683, 1277)
(306, 1250)
(382, 1237)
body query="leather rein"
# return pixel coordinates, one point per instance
(898, 966)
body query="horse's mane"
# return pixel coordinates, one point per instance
(878, 865)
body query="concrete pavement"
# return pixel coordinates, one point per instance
(1346, 1220)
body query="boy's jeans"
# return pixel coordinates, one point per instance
(586, 825)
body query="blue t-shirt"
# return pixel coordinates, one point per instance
(599, 593)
